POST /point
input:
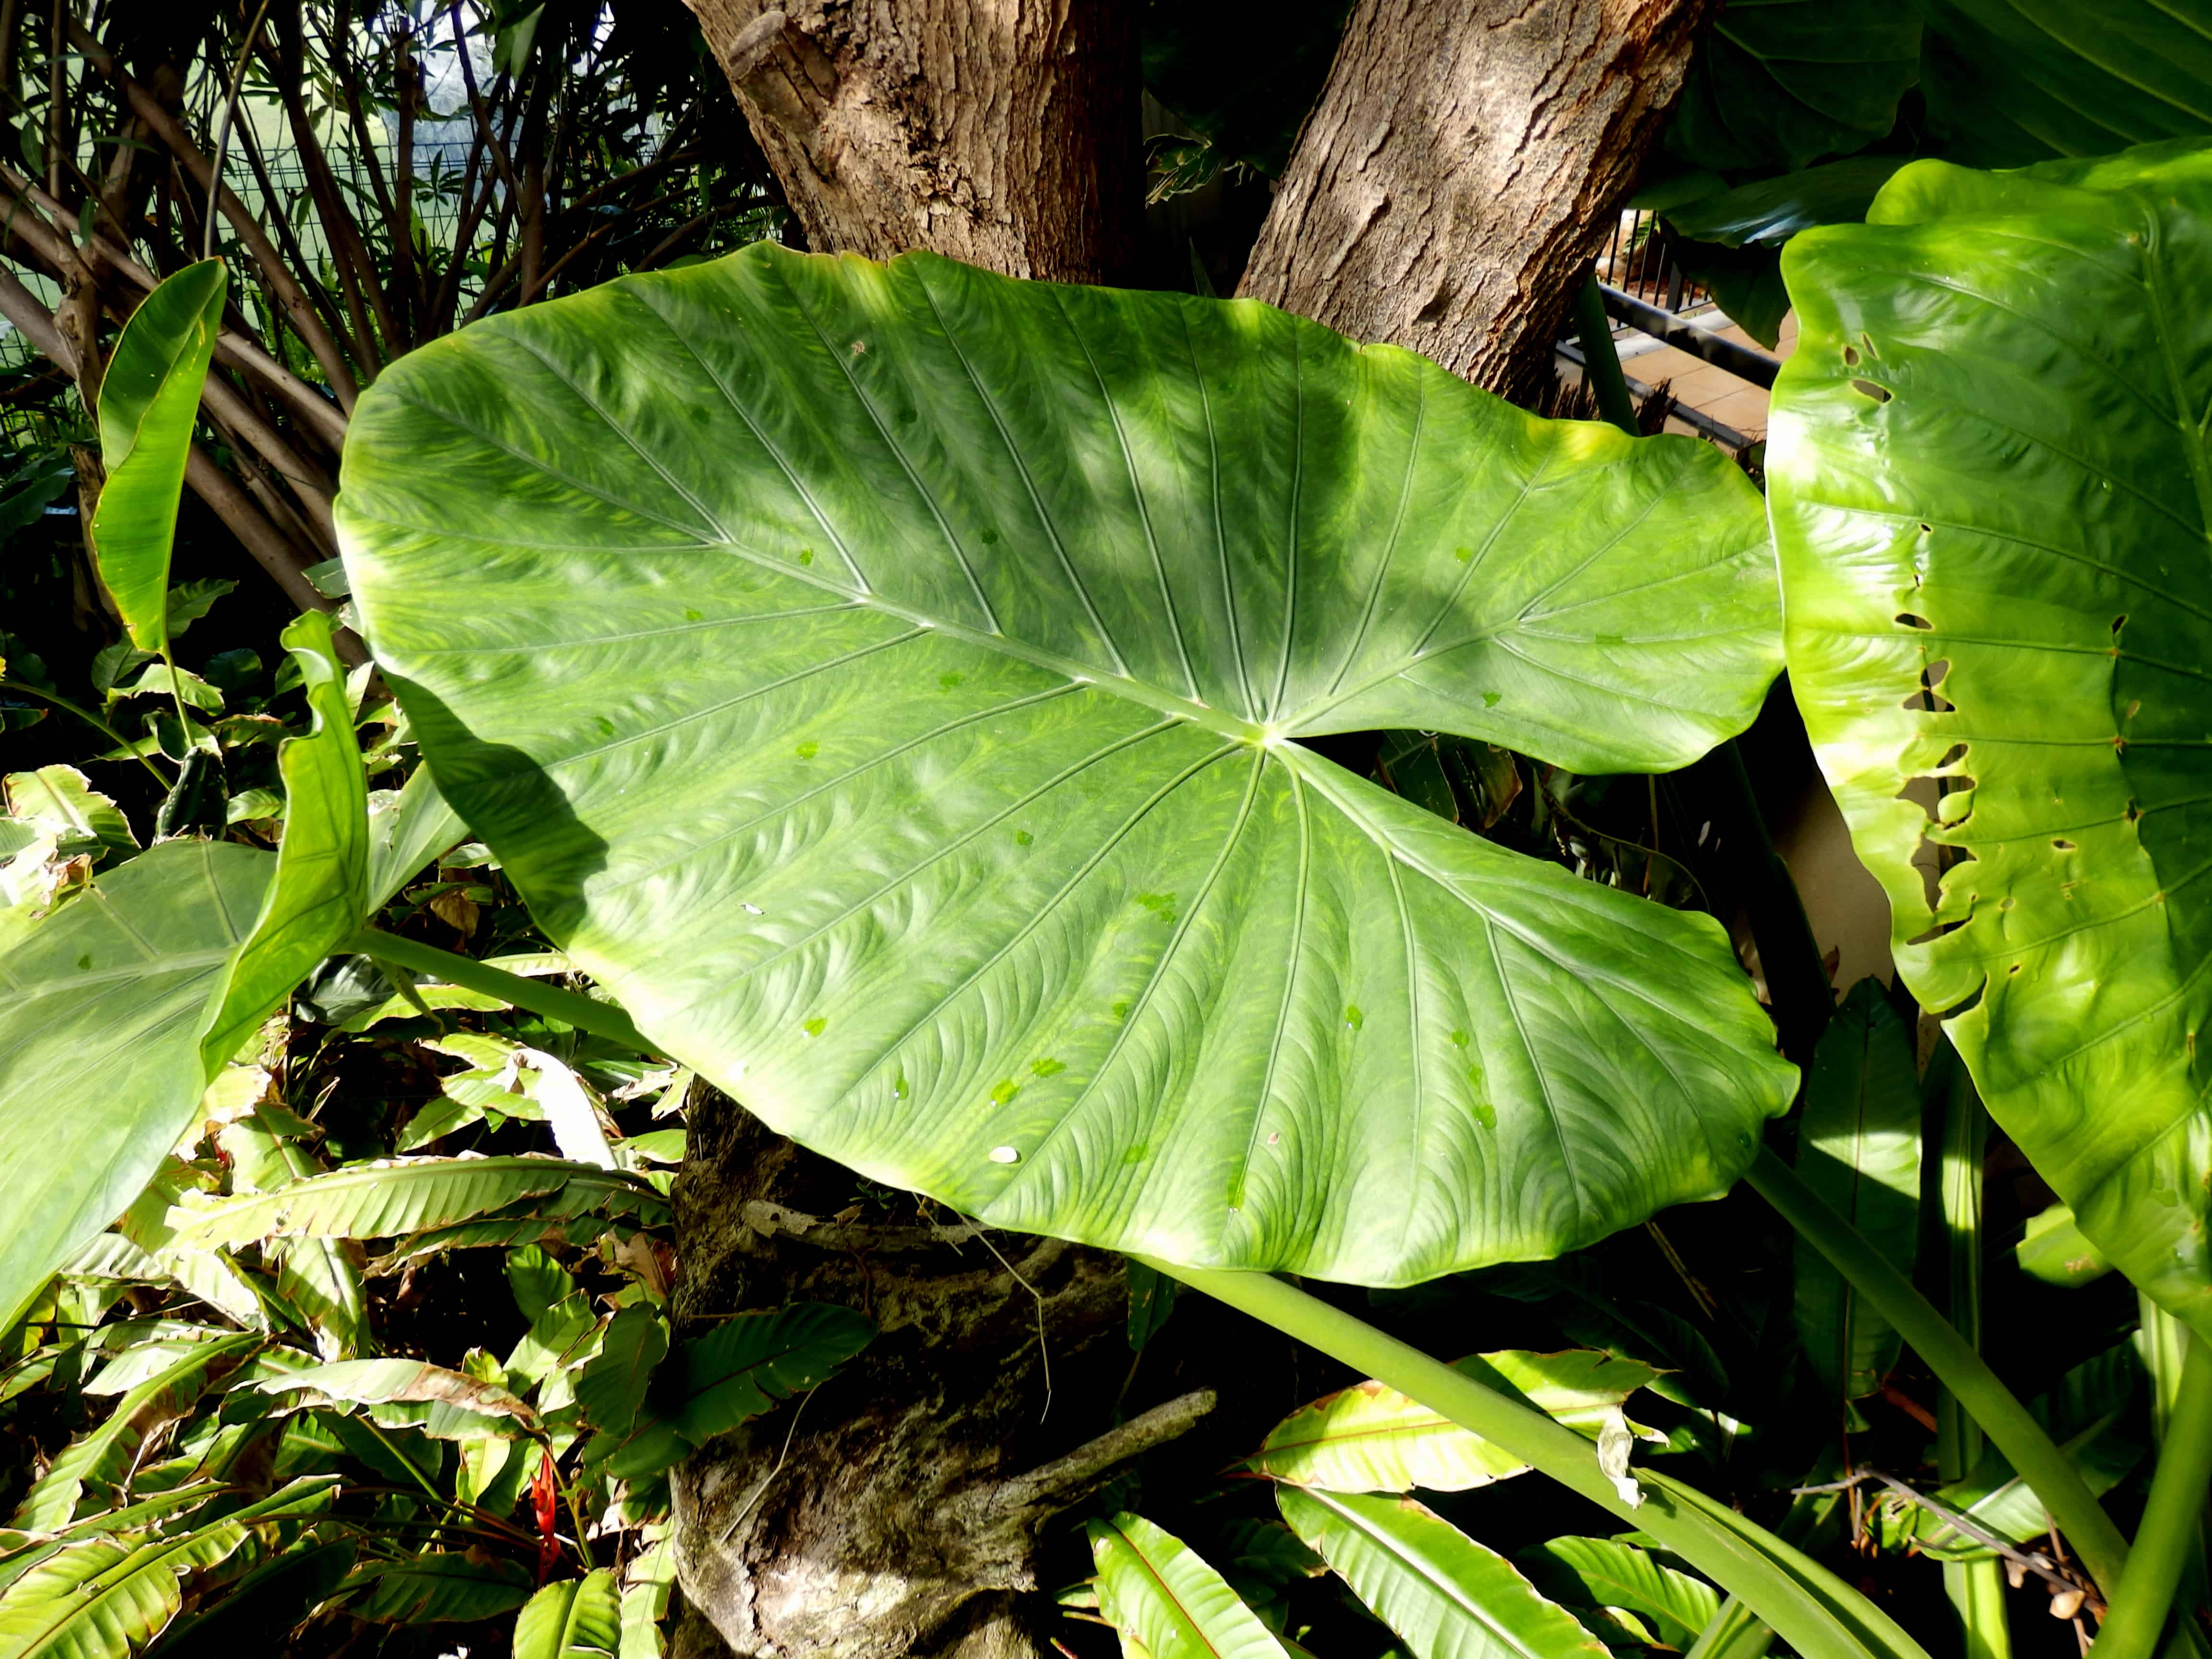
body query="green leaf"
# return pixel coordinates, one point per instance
(645, 1602)
(319, 896)
(1151, 1299)
(578, 1619)
(2011, 81)
(1166, 1601)
(1372, 1438)
(160, 679)
(1774, 209)
(1446, 1595)
(439, 1586)
(60, 801)
(1780, 84)
(884, 680)
(1986, 451)
(2054, 1251)
(392, 1196)
(149, 397)
(446, 1405)
(613, 1384)
(1600, 1572)
(751, 1360)
(1858, 1148)
(102, 1457)
(407, 833)
(100, 1026)
(188, 601)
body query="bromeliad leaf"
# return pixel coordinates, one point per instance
(1372, 1438)
(1166, 1601)
(149, 397)
(886, 680)
(1989, 477)
(1446, 1595)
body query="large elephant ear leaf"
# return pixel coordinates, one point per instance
(885, 678)
(1991, 489)
(1781, 83)
(100, 1025)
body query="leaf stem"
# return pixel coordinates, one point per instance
(2024, 1442)
(2169, 1531)
(600, 1019)
(1601, 362)
(89, 719)
(1819, 1615)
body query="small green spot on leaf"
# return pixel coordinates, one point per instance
(1352, 1017)
(1490, 699)
(84, 964)
(807, 750)
(898, 1086)
(1023, 838)
(1459, 1039)
(1610, 638)
(694, 615)
(813, 1027)
(1046, 1067)
(1120, 1008)
(806, 555)
(1007, 1090)
(1486, 1114)
(948, 681)
(606, 727)
(1464, 554)
(990, 538)
(1135, 1154)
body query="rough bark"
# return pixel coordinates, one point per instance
(1458, 172)
(996, 131)
(897, 1510)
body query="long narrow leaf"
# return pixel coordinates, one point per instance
(391, 1197)
(1166, 1602)
(579, 1618)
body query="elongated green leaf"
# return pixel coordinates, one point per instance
(319, 896)
(645, 1602)
(1446, 1595)
(321, 1277)
(389, 1197)
(1780, 84)
(1986, 453)
(446, 1405)
(886, 680)
(746, 1363)
(439, 1586)
(1775, 210)
(1858, 1148)
(1371, 1438)
(1166, 1601)
(149, 397)
(1604, 1573)
(613, 1383)
(100, 1458)
(100, 1044)
(2011, 82)
(578, 1619)
(407, 834)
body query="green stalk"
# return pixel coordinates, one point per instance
(91, 720)
(600, 1019)
(1819, 1615)
(1601, 362)
(2025, 1441)
(2168, 1532)
(1976, 1589)
(2164, 1344)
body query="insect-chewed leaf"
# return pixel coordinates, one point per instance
(1986, 452)
(577, 1618)
(1372, 1438)
(1446, 1595)
(60, 801)
(1166, 1601)
(884, 680)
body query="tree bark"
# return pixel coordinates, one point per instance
(1459, 171)
(994, 131)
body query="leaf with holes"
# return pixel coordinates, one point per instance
(887, 681)
(1991, 489)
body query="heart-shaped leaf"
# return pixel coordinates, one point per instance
(885, 679)
(1992, 488)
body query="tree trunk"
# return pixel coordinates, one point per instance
(899, 1512)
(1000, 133)
(1458, 173)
